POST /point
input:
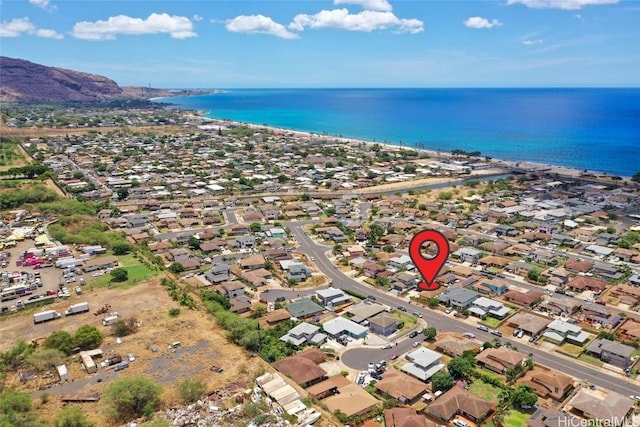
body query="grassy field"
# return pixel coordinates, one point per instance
(484, 390)
(491, 321)
(516, 419)
(572, 349)
(138, 272)
(590, 359)
(490, 373)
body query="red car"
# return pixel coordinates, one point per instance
(395, 356)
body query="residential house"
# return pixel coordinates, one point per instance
(232, 289)
(303, 334)
(244, 242)
(404, 281)
(606, 271)
(403, 417)
(560, 306)
(598, 314)
(549, 417)
(252, 262)
(457, 297)
(500, 359)
(578, 267)
(402, 387)
(469, 255)
(303, 367)
(455, 347)
(333, 296)
(530, 323)
(520, 268)
(612, 410)
(556, 276)
(384, 324)
(612, 352)
(629, 295)
(422, 363)
(458, 401)
(523, 299)
(304, 308)
(548, 383)
(629, 330)
(240, 304)
(490, 287)
(298, 272)
(178, 254)
(400, 262)
(218, 273)
(351, 400)
(559, 331)
(372, 269)
(543, 256)
(339, 326)
(482, 307)
(494, 261)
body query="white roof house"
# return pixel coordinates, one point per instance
(341, 326)
(423, 363)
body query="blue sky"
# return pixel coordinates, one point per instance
(331, 43)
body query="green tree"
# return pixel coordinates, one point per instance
(535, 275)
(433, 302)
(122, 193)
(193, 242)
(59, 340)
(375, 232)
(119, 275)
(524, 397)
(121, 248)
(441, 381)
(16, 410)
(72, 416)
(255, 227)
(460, 367)
(133, 397)
(190, 390)
(176, 267)
(430, 333)
(87, 337)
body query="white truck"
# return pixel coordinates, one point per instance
(81, 307)
(45, 316)
(110, 319)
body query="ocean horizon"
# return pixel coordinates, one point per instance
(594, 129)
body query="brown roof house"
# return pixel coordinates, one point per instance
(404, 388)
(303, 367)
(455, 347)
(500, 359)
(612, 410)
(458, 401)
(404, 417)
(549, 417)
(548, 382)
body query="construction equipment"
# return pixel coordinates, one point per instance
(102, 310)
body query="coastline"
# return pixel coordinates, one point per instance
(497, 166)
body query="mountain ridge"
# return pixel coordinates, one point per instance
(25, 81)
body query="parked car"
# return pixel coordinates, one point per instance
(496, 333)
(448, 310)
(483, 328)
(413, 334)
(394, 357)
(401, 308)
(468, 335)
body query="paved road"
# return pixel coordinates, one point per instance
(443, 322)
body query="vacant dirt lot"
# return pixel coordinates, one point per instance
(203, 344)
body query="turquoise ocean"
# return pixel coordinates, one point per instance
(597, 129)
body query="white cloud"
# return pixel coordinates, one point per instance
(532, 42)
(367, 20)
(196, 18)
(178, 27)
(562, 4)
(478, 22)
(258, 24)
(379, 5)
(21, 26)
(44, 4)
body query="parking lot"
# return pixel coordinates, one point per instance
(50, 278)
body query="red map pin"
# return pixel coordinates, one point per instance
(429, 267)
